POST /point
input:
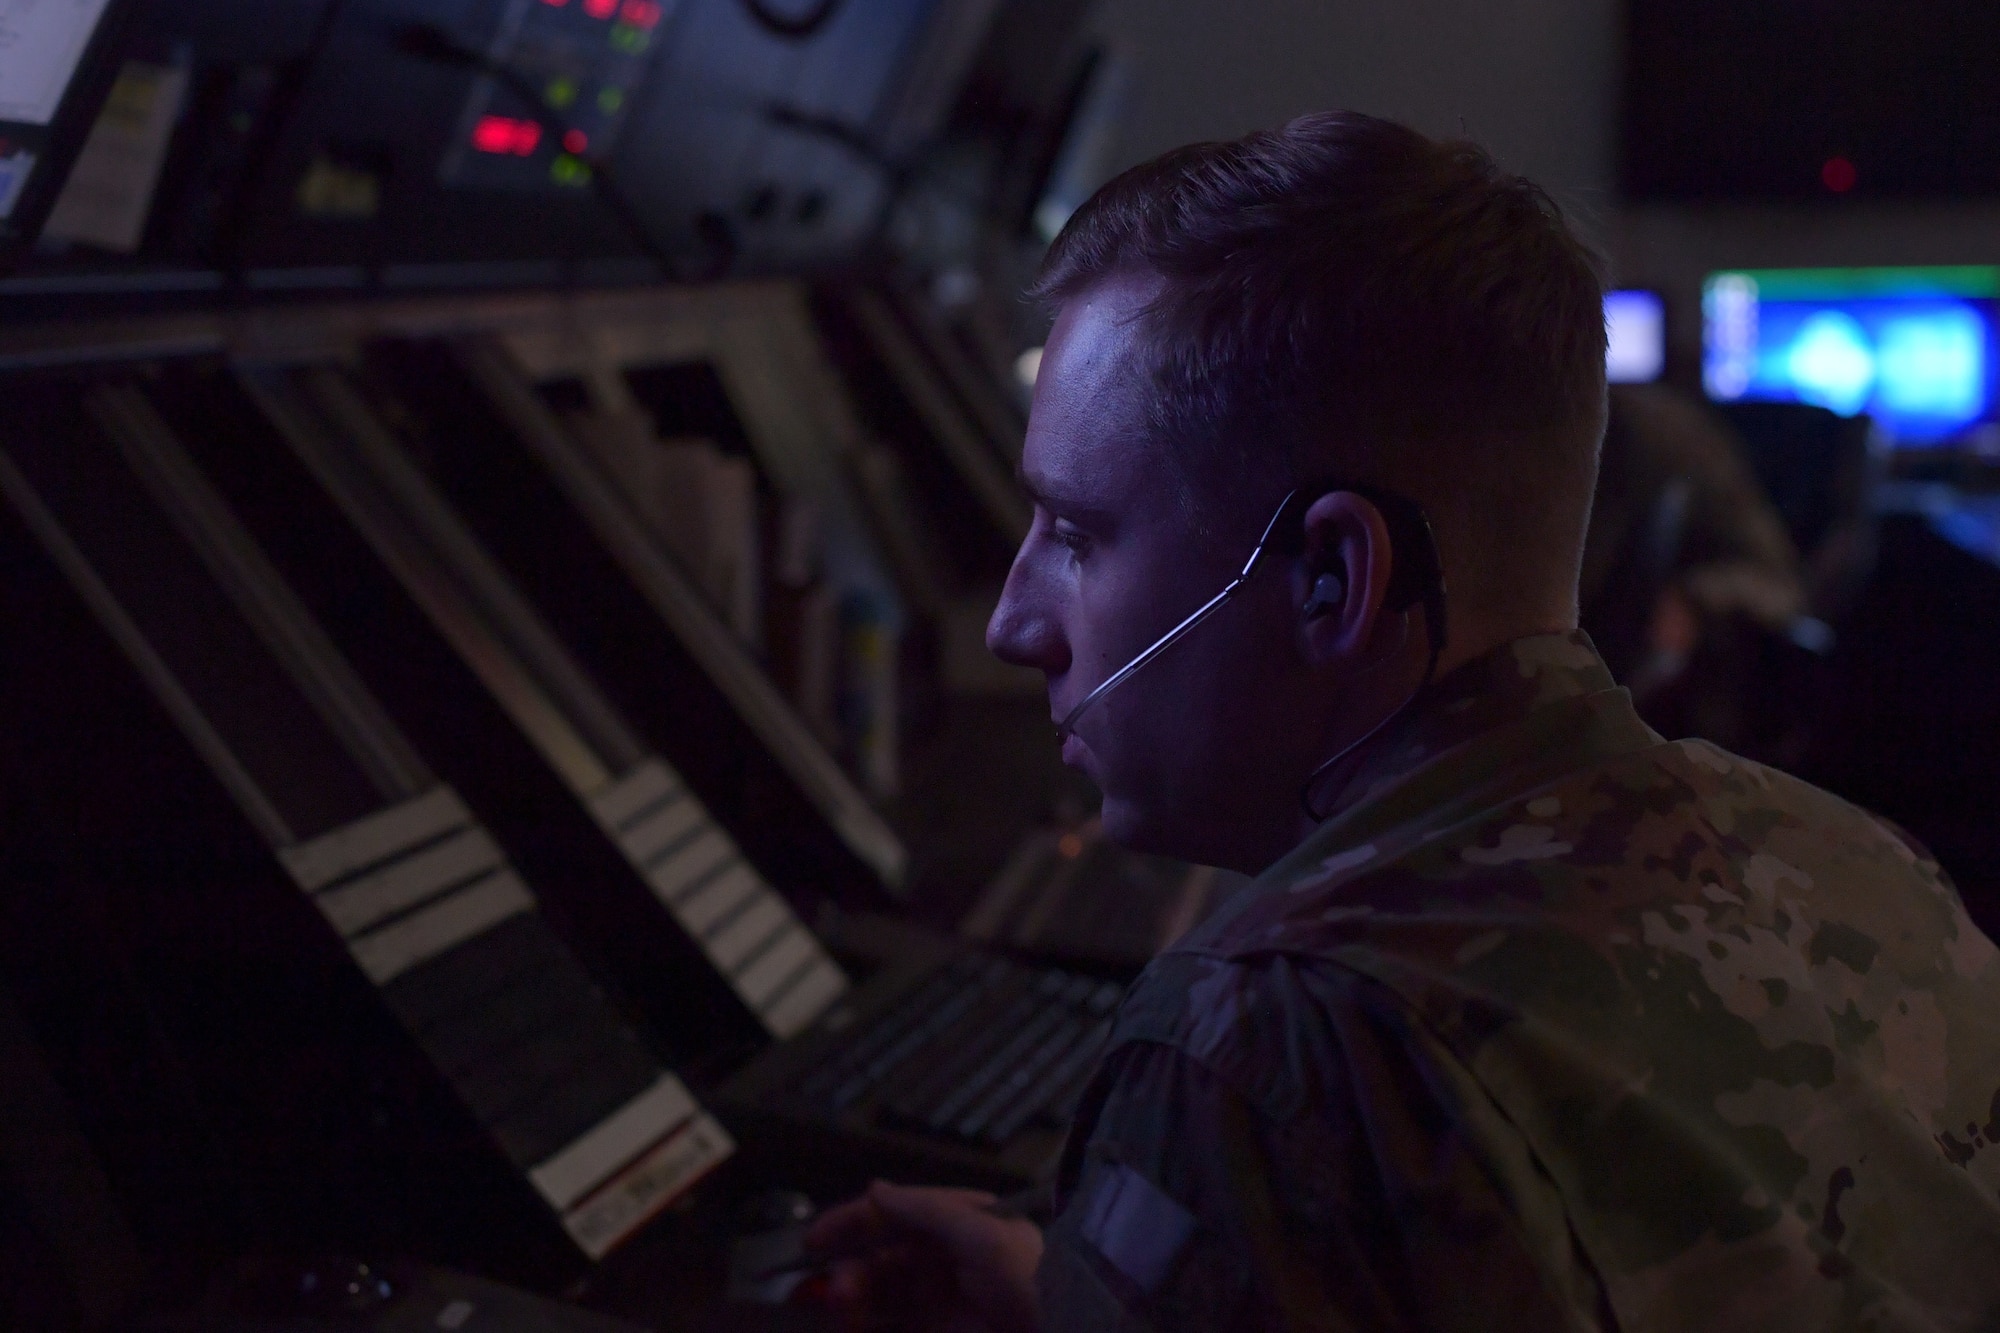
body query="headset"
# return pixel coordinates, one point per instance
(1416, 573)
(1416, 579)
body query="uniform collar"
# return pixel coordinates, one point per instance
(1500, 687)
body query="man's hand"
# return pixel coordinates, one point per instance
(932, 1259)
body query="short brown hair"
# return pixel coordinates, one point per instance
(1346, 296)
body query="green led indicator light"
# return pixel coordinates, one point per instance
(567, 170)
(609, 100)
(560, 92)
(630, 40)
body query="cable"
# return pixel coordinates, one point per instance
(795, 27)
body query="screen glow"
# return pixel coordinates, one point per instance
(41, 43)
(1635, 325)
(1913, 348)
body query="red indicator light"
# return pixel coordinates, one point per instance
(506, 136)
(641, 13)
(1838, 175)
(600, 9)
(575, 141)
(555, 4)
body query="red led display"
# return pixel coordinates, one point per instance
(600, 9)
(506, 136)
(643, 14)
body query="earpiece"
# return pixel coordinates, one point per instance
(1328, 592)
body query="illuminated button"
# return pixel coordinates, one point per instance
(576, 141)
(629, 39)
(643, 14)
(610, 99)
(506, 136)
(1839, 175)
(600, 9)
(566, 170)
(560, 92)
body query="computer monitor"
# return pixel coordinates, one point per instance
(1912, 347)
(1635, 322)
(53, 71)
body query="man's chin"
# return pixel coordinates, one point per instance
(1185, 837)
(1129, 825)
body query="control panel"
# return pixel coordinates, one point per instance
(581, 62)
(304, 145)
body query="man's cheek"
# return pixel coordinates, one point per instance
(1132, 768)
(1128, 823)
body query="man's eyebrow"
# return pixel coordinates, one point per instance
(1068, 506)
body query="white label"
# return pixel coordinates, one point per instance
(395, 949)
(775, 966)
(794, 1011)
(40, 43)
(757, 923)
(360, 903)
(616, 1140)
(695, 868)
(691, 864)
(110, 189)
(374, 839)
(717, 899)
(638, 1193)
(663, 828)
(645, 784)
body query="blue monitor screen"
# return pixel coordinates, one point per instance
(1635, 327)
(1914, 348)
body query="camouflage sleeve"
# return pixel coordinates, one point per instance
(1318, 1168)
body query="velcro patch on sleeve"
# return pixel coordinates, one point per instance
(1134, 1224)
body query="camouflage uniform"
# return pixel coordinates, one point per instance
(1553, 1025)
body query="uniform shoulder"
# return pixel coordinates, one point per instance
(1267, 1027)
(1673, 824)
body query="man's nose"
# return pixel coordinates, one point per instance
(1024, 632)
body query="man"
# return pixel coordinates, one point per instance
(1533, 1019)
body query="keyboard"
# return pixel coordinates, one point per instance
(971, 1059)
(981, 1050)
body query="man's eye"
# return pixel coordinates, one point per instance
(1065, 535)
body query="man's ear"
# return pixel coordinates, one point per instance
(1340, 580)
